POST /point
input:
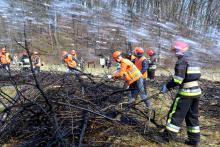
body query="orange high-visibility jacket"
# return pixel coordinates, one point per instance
(5, 58)
(138, 63)
(68, 59)
(128, 72)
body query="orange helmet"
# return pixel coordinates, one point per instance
(150, 52)
(138, 50)
(64, 53)
(73, 52)
(180, 46)
(4, 50)
(116, 54)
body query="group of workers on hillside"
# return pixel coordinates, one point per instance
(186, 76)
(6, 59)
(135, 70)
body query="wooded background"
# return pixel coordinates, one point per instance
(96, 27)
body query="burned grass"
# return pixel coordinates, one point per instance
(91, 110)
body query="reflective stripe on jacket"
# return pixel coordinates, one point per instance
(5, 58)
(138, 63)
(128, 72)
(68, 59)
(186, 77)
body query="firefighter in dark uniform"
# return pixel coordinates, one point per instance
(25, 62)
(152, 63)
(185, 105)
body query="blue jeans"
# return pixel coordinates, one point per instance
(137, 88)
(72, 71)
(36, 70)
(6, 67)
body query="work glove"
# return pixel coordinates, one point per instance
(109, 76)
(164, 89)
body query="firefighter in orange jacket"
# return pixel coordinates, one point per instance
(70, 63)
(141, 63)
(129, 72)
(5, 59)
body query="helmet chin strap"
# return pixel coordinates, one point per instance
(179, 53)
(139, 55)
(118, 59)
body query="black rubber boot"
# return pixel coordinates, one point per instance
(192, 143)
(164, 137)
(160, 138)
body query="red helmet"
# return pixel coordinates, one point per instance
(24, 53)
(150, 52)
(138, 50)
(73, 52)
(180, 46)
(116, 54)
(64, 53)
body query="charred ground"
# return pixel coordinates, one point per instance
(91, 110)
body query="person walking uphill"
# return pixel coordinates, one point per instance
(142, 64)
(129, 72)
(186, 102)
